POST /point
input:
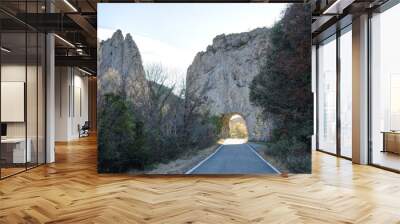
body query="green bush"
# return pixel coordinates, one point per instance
(283, 89)
(120, 137)
(130, 141)
(292, 153)
(217, 124)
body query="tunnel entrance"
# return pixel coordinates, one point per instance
(234, 129)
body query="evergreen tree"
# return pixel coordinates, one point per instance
(283, 86)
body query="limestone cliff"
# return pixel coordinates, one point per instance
(120, 68)
(220, 77)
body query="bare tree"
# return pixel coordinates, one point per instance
(193, 102)
(175, 114)
(163, 105)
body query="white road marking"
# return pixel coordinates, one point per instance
(265, 161)
(248, 145)
(199, 164)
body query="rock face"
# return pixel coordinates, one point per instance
(220, 78)
(120, 68)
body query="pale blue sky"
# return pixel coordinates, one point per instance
(172, 34)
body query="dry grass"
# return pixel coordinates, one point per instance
(182, 165)
(261, 149)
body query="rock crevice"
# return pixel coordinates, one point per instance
(120, 68)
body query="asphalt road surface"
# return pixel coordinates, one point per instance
(233, 159)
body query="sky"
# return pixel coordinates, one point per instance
(172, 34)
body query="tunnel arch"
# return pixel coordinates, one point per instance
(234, 125)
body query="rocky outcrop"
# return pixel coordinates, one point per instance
(219, 78)
(120, 68)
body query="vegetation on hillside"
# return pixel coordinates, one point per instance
(136, 138)
(283, 89)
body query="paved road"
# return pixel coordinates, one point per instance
(233, 159)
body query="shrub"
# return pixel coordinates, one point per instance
(121, 140)
(291, 152)
(283, 88)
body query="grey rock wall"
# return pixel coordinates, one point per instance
(120, 68)
(221, 77)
